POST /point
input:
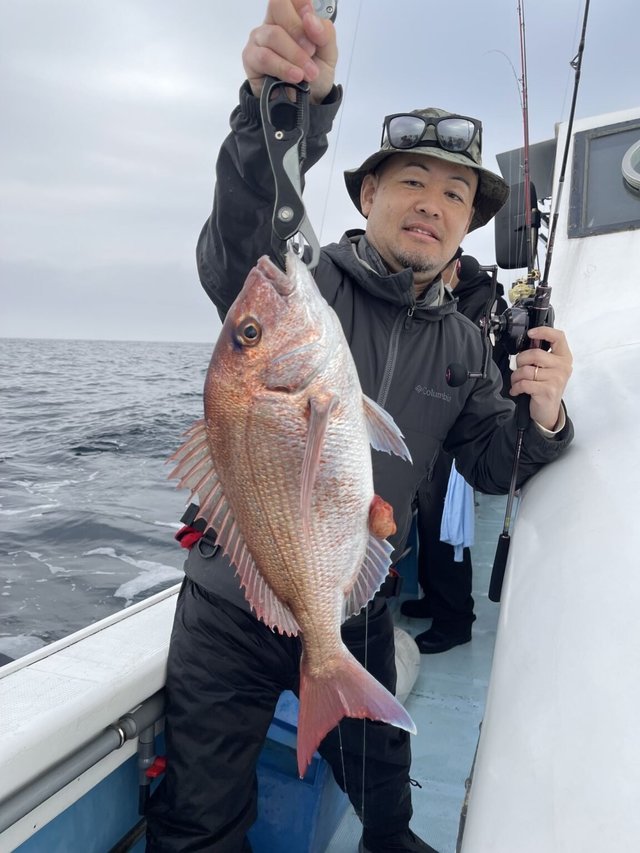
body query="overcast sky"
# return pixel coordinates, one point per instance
(112, 112)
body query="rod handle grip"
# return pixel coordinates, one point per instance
(499, 567)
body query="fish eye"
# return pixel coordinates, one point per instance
(248, 332)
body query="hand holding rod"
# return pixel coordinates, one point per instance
(538, 313)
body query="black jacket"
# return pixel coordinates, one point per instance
(473, 295)
(401, 347)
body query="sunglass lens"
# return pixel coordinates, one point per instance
(405, 131)
(455, 134)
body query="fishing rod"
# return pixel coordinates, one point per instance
(527, 289)
(532, 306)
(576, 64)
(525, 123)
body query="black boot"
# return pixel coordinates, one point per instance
(402, 842)
(416, 608)
(439, 640)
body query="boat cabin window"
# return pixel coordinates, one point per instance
(605, 184)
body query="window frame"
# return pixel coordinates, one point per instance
(576, 226)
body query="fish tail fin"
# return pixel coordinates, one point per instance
(348, 691)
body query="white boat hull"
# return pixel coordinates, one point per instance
(557, 768)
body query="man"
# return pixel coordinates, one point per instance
(445, 582)
(226, 669)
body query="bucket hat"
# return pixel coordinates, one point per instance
(492, 191)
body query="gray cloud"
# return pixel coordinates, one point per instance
(113, 112)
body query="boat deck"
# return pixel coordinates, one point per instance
(92, 676)
(447, 704)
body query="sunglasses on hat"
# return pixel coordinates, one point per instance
(453, 133)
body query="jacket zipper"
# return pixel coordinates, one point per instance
(410, 312)
(392, 353)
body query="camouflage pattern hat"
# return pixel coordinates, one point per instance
(492, 190)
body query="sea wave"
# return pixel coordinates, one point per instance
(88, 513)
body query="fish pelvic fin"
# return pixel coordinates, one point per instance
(383, 431)
(196, 471)
(371, 576)
(319, 413)
(348, 691)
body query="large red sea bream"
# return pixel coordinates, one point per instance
(281, 464)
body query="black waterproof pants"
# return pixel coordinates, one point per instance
(226, 671)
(445, 583)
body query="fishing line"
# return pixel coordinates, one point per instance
(364, 726)
(515, 199)
(513, 69)
(323, 219)
(346, 89)
(567, 85)
(364, 722)
(525, 150)
(576, 64)
(344, 770)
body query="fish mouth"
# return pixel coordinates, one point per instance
(280, 281)
(293, 371)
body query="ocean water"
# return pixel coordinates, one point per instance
(87, 514)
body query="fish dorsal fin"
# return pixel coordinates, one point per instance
(383, 431)
(195, 470)
(371, 576)
(320, 409)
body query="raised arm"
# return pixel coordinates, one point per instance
(292, 44)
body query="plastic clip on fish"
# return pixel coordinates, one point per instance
(284, 108)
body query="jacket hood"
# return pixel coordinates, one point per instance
(470, 292)
(395, 288)
(480, 281)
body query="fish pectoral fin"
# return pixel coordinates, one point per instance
(383, 431)
(372, 574)
(320, 409)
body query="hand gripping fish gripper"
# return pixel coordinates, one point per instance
(284, 108)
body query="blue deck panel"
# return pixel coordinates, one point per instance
(96, 822)
(294, 814)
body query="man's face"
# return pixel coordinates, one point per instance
(418, 211)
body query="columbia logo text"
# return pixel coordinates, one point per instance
(431, 392)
